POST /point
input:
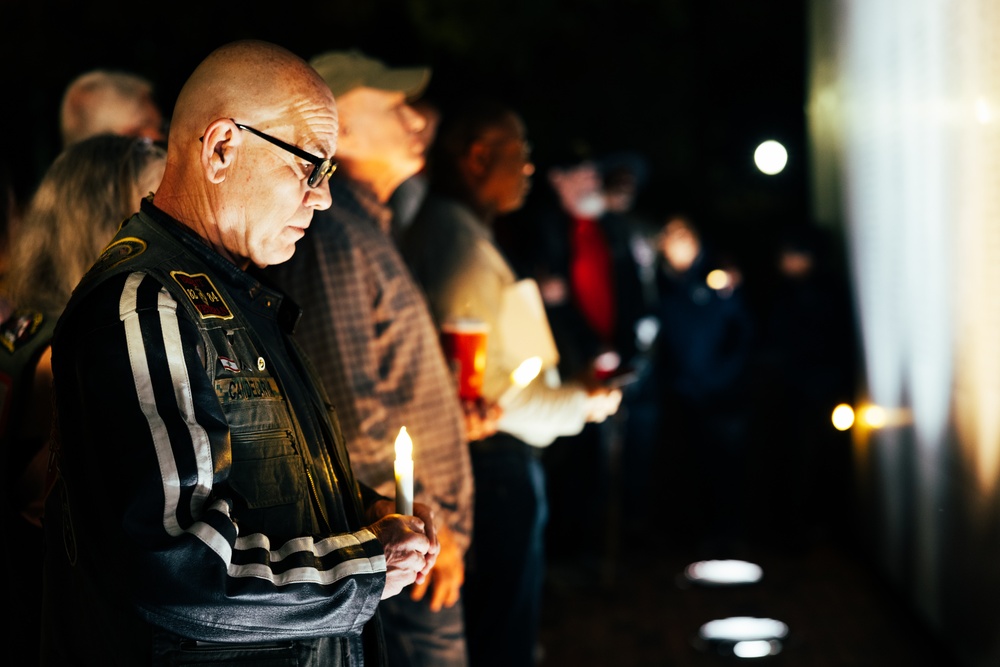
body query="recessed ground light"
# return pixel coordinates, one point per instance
(743, 636)
(723, 572)
(757, 648)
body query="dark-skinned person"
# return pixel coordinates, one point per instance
(481, 168)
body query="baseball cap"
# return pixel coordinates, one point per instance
(344, 71)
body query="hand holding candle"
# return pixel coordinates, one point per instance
(404, 473)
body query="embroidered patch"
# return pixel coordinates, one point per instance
(229, 365)
(118, 252)
(232, 390)
(19, 329)
(203, 295)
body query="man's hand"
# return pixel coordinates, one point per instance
(447, 576)
(602, 402)
(480, 419)
(410, 544)
(426, 514)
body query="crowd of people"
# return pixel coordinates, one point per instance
(216, 320)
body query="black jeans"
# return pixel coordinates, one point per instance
(503, 586)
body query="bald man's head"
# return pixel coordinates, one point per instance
(250, 127)
(251, 82)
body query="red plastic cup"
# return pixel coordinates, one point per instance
(464, 343)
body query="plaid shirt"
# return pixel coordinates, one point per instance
(367, 329)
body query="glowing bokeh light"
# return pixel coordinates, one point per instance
(984, 114)
(607, 362)
(646, 330)
(527, 371)
(843, 417)
(770, 157)
(718, 279)
(874, 416)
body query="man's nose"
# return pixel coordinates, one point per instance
(412, 119)
(318, 198)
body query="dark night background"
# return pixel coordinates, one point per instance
(694, 85)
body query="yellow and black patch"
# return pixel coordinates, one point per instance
(203, 295)
(232, 390)
(120, 251)
(18, 329)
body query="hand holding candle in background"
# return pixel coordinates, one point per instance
(481, 418)
(404, 473)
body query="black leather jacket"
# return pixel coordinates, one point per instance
(205, 508)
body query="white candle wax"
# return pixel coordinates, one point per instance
(404, 473)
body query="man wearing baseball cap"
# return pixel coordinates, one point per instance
(368, 331)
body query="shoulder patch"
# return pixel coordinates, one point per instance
(206, 299)
(18, 329)
(118, 252)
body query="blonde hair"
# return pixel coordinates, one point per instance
(85, 195)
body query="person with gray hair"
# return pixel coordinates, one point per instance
(110, 102)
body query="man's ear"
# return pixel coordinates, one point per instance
(218, 148)
(478, 158)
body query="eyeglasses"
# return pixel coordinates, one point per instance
(322, 167)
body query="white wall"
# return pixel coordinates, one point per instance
(904, 118)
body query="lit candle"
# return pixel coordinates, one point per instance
(521, 378)
(404, 473)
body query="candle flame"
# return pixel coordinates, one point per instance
(404, 445)
(526, 372)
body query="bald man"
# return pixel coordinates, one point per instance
(205, 509)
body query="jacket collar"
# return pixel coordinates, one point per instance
(250, 283)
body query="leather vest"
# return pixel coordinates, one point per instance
(276, 473)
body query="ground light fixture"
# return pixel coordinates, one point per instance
(723, 572)
(743, 636)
